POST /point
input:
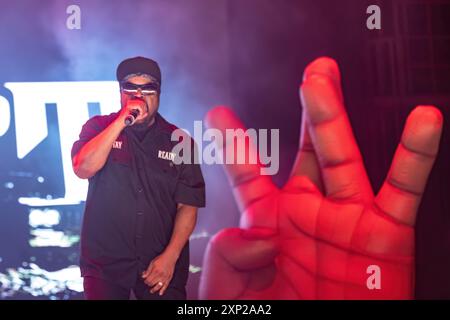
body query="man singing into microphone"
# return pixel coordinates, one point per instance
(141, 207)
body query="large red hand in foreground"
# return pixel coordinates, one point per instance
(317, 237)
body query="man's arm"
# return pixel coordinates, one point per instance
(184, 226)
(162, 267)
(92, 156)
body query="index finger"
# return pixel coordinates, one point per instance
(401, 193)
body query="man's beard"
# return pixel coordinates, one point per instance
(147, 121)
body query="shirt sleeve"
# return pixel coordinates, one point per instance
(89, 130)
(190, 187)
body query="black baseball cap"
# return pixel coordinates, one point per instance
(139, 66)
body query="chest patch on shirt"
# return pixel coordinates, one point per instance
(117, 145)
(166, 155)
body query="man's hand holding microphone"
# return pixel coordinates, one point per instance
(92, 157)
(134, 110)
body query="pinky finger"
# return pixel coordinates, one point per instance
(163, 289)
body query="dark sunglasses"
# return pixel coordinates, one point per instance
(146, 89)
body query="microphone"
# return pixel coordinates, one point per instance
(131, 118)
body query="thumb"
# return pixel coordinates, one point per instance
(148, 271)
(247, 249)
(231, 256)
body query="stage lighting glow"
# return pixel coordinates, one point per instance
(194, 269)
(52, 238)
(36, 281)
(45, 218)
(9, 185)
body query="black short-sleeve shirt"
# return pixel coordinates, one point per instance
(132, 202)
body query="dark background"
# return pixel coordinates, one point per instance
(249, 54)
